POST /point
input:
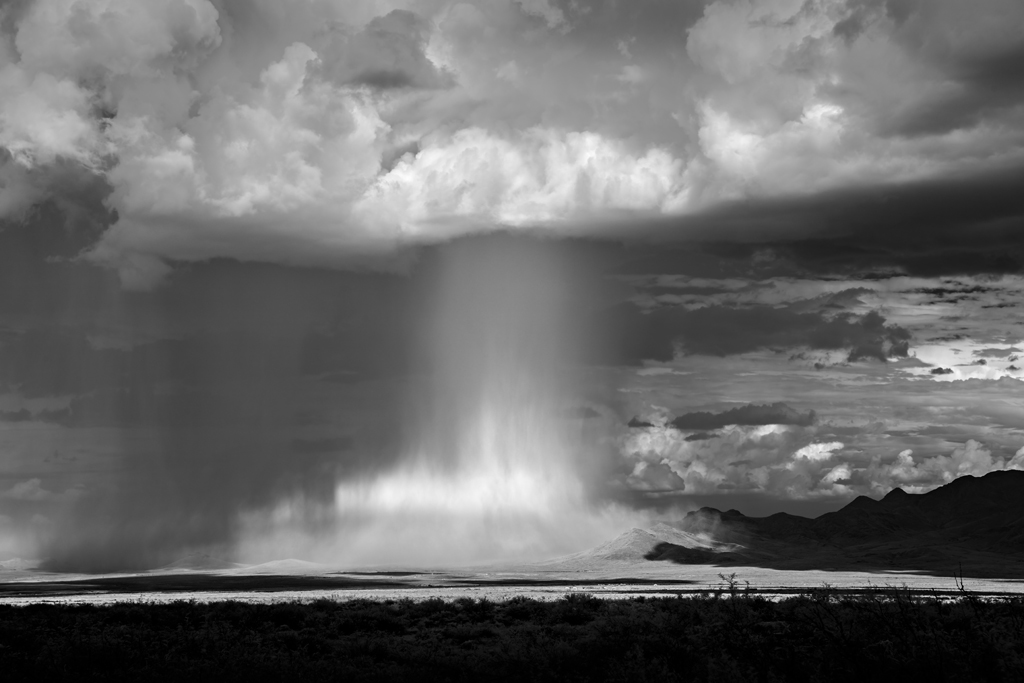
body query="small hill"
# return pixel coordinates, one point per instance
(637, 545)
(200, 562)
(17, 564)
(629, 547)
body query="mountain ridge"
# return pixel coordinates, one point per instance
(972, 526)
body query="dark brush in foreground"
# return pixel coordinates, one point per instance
(821, 636)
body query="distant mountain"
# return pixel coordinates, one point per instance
(976, 523)
(18, 564)
(289, 566)
(200, 562)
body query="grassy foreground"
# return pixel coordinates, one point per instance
(822, 636)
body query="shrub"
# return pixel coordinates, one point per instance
(823, 635)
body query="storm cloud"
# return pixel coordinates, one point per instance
(775, 413)
(214, 124)
(725, 331)
(225, 228)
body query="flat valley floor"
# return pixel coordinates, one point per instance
(282, 582)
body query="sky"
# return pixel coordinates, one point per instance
(371, 281)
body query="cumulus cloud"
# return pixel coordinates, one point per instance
(45, 122)
(744, 459)
(544, 9)
(1017, 461)
(817, 89)
(743, 41)
(821, 451)
(45, 118)
(289, 167)
(284, 153)
(951, 360)
(75, 59)
(537, 176)
(919, 475)
(790, 462)
(655, 477)
(305, 132)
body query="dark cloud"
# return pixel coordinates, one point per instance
(654, 24)
(941, 371)
(213, 374)
(724, 331)
(701, 436)
(637, 423)
(388, 53)
(321, 446)
(21, 415)
(965, 107)
(752, 503)
(633, 337)
(351, 354)
(845, 298)
(71, 329)
(981, 85)
(701, 260)
(10, 13)
(976, 71)
(47, 361)
(660, 290)
(861, 13)
(208, 327)
(392, 155)
(57, 361)
(214, 406)
(958, 224)
(775, 413)
(997, 353)
(68, 219)
(40, 282)
(955, 294)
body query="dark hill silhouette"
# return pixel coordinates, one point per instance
(973, 524)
